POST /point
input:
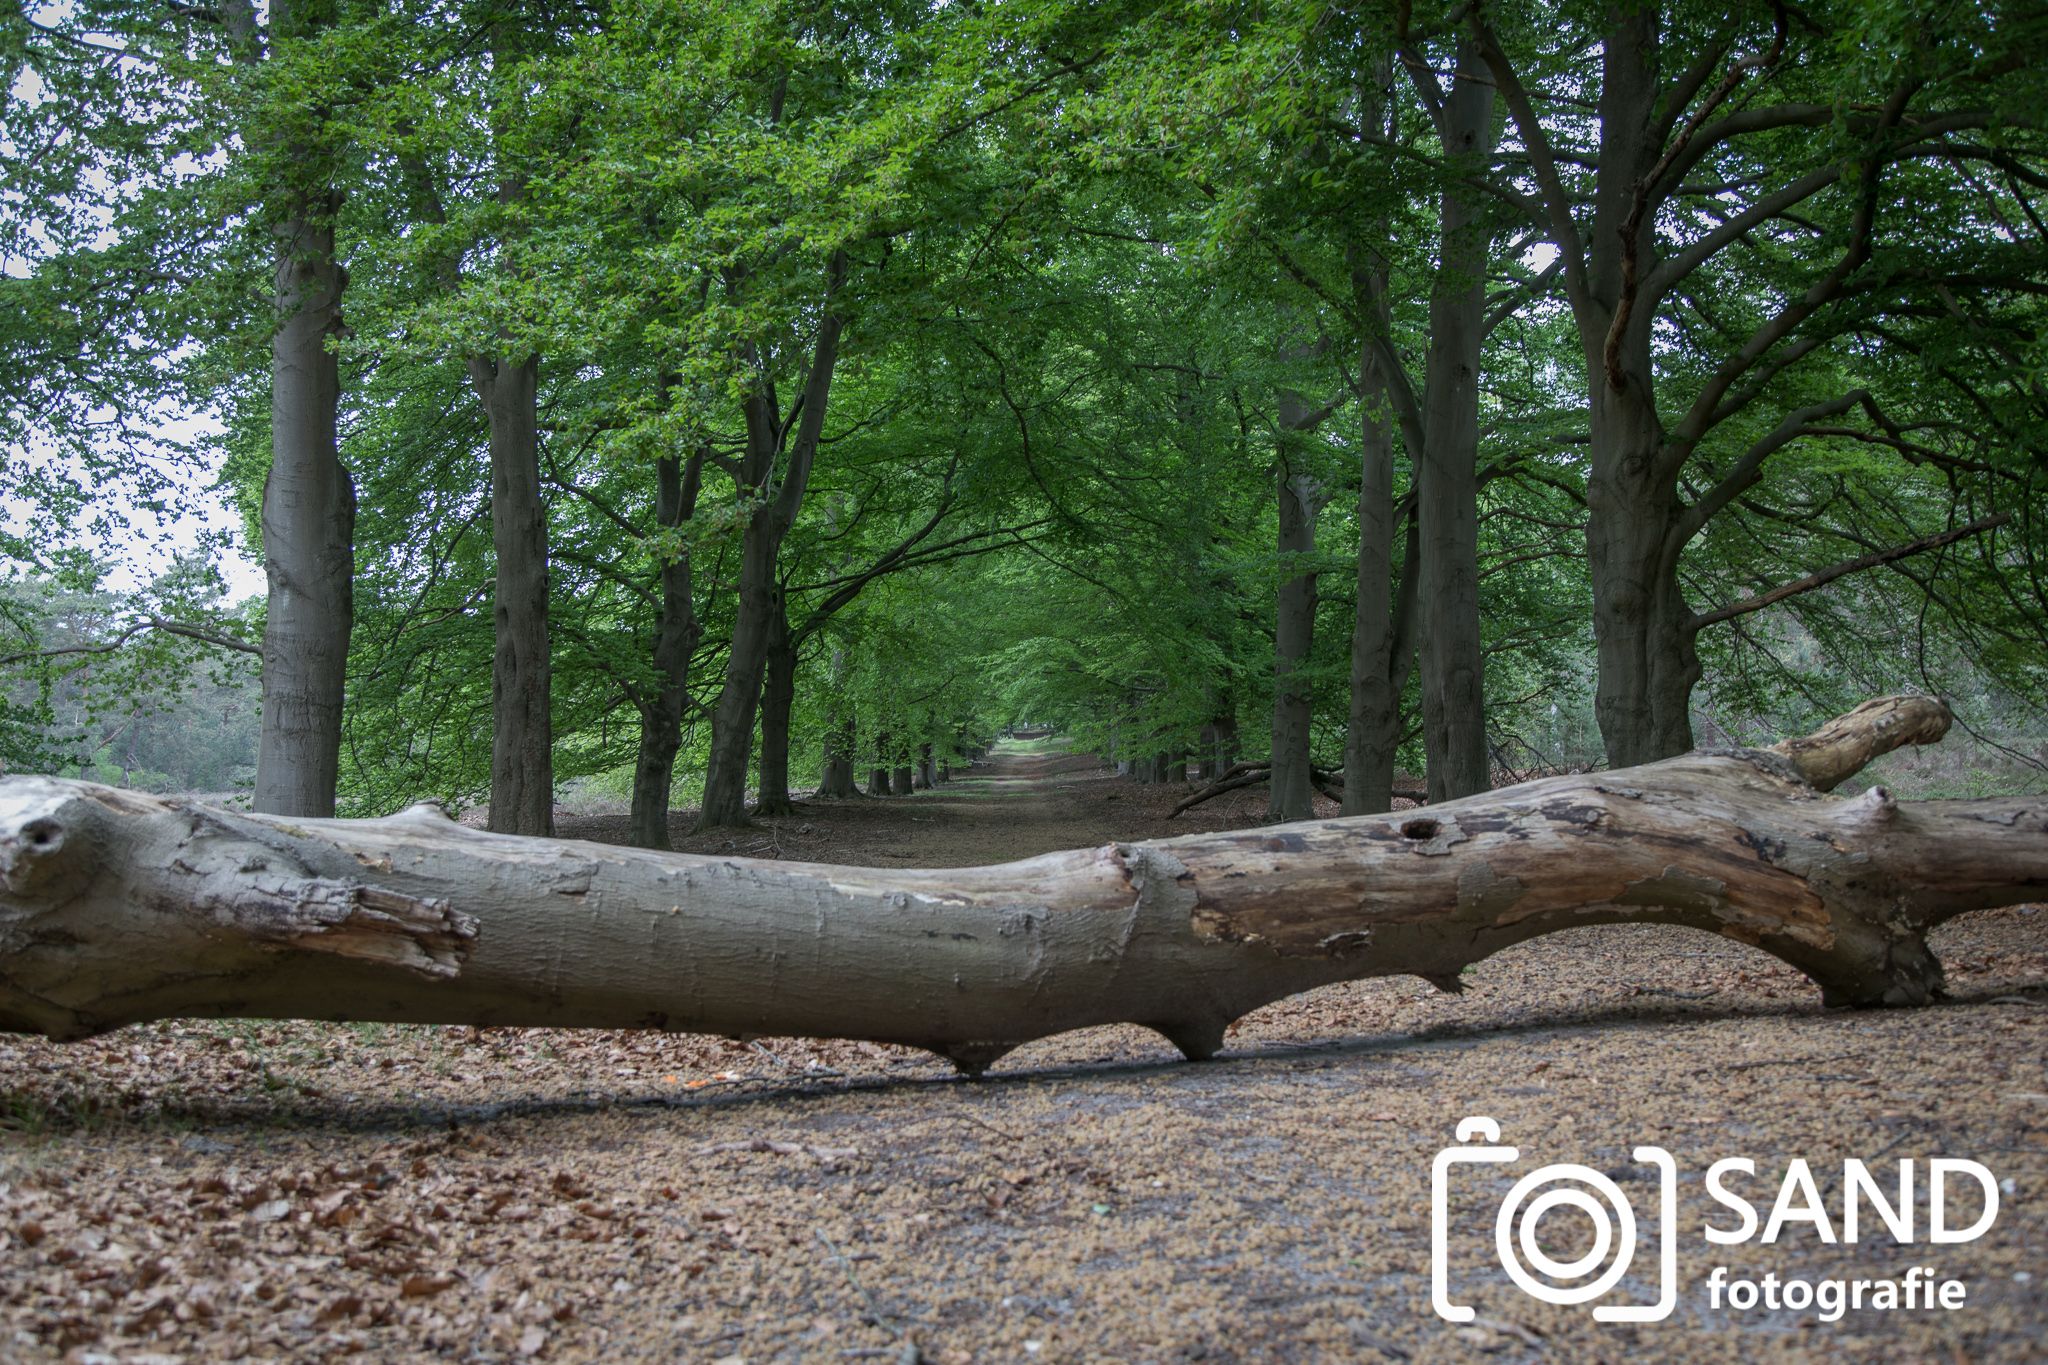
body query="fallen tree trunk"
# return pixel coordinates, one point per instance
(117, 907)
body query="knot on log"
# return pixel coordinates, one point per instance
(423, 934)
(43, 839)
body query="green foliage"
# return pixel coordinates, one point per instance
(1089, 248)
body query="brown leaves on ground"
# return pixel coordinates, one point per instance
(229, 1191)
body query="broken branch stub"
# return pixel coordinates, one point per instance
(117, 907)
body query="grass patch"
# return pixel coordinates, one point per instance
(1032, 748)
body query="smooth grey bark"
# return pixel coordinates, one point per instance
(1447, 472)
(309, 501)
(508, 381)
(117, 907)
(927, 768)
(778, 699)
(522, 731)
(903, 780)
(1292, 795)
(781, 493)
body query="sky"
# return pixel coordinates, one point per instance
(154, 542)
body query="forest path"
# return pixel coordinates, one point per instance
(423, 1194)
(1025, 798)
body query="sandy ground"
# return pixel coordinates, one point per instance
(284, 1191)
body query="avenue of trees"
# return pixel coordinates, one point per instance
(723, 400)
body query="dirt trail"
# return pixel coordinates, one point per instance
(227, 1191)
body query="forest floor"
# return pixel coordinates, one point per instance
(202, 1192)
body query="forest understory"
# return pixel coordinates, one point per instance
(253, 1190)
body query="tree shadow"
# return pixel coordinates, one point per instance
(408, 1119)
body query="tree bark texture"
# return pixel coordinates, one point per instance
(1447, 472)
(118, 907)
(878, 776)
(1381, 632)
(1292, 797)
(309, 508)
(837, 779)
(522, 732)
(778, 699)
(676, 632)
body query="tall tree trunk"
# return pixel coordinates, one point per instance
(1292, 796)
(1373, 729)
(1642, 627)
(1447, 475)
(309, 504)
(878, 776)
(904, 780)
(1221, 738)
(522, 735)
(676, 633)
(117, 907)
(927, 769)
(778, 699)
(732, 718)
(837, 779)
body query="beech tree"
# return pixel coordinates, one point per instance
(1782, 164)
(1354, 401)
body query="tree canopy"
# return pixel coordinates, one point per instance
(724, 394)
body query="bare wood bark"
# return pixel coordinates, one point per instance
(116, 907)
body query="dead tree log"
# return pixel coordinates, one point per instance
(117, 907)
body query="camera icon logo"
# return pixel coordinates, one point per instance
(1562, 1185)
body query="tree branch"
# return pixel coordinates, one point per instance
(1828, 575)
